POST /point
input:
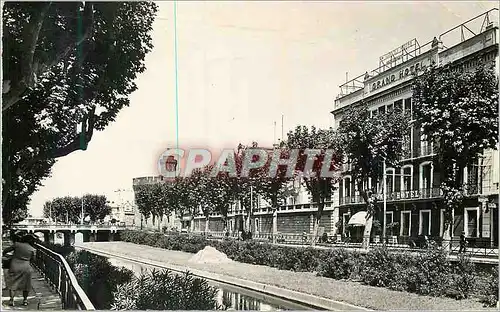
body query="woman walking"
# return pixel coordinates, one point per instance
(19, 275)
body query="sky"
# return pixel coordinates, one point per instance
(241, 67)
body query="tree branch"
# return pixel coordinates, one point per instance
(31, 67)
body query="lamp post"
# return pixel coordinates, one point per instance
(81, 220)
(384, 187)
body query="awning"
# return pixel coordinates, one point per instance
(358, 219)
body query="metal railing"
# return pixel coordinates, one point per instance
(62, 225)
(59, 275)
(479, 247)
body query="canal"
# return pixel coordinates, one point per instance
(232, 297)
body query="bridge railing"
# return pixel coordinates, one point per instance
(59, 275)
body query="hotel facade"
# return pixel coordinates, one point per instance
(413, 186)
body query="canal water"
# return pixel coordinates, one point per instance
(232, 297)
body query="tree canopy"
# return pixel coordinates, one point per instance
(324, 144)
(458, 111)
(64, 64)
(69, 208)
(366, 141)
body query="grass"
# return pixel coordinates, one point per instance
(344, 291)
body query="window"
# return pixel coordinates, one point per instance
(406, 178)
(347, 187)
(381, 110)
(256, 225)
(472, 226)
(345, 217)
(390, 182)
(389, 218)
(408, 108)
(398, 105)
(425, 222)
(405, 223)
(390, 108)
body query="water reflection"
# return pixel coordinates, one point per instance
(232, 300)
(230, 297)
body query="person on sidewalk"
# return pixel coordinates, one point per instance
(463, 243)
(19, 275)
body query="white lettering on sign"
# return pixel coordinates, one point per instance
(403, 73)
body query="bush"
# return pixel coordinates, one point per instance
(339, 264)
(163, 290)
(489, 288)
(379, 267)
(463, 278)
(97, 277)
(428, 273)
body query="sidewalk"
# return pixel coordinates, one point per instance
(43, 298)
(350, 292)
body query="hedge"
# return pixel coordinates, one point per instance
(111, 287)
(427, 273)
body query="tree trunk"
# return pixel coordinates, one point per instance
(316, 223)
(191, 224)
(248, 220)
(367, 232)
(207, 221)
(160, 219)
(446, 237)
(275, 224)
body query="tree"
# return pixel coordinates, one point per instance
(457, 110)
(366, 141)
(326, 147)
(215, 194)
(154, 200)
(69, 209)
(274, 189)
(241, 186)
(65, 64)
(144, 200)
(95, 207)
(63, 209)
(184, 197)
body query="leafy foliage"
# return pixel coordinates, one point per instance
(325, 144)
(64, 64)
(429, 272)
(366, 141)
(164, 290)
(62, 208)
(458, 111)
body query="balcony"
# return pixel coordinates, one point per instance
(416, 194)
(349, 200)
(426, 150)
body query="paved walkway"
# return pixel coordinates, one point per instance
(42, 298)
(304, 282)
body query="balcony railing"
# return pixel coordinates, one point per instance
(59, 275)
(356, 199)
(426, 150)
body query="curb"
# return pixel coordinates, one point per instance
(306, 299)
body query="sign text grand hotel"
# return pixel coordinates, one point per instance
(403, 73)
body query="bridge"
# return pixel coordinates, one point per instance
(90, 232)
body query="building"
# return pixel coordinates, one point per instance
(413, 188)
(123, 207)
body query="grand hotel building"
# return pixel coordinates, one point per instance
(413, 186)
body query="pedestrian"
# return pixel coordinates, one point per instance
(463, 243)
(19, 275)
